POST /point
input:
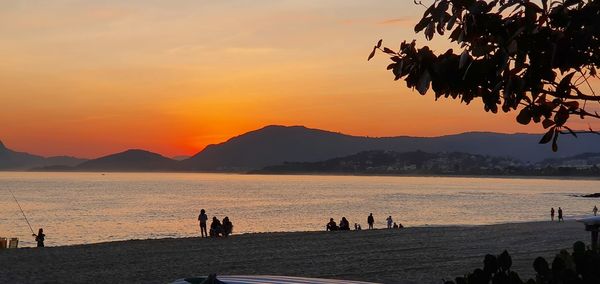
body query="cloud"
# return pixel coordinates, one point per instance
(396, 22)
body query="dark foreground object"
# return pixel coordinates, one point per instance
(412, 255)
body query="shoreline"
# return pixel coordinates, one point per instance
(341, 174)
(409, 255)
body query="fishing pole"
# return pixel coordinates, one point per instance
(22, 212)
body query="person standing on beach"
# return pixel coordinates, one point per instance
(389, 222)
(560, 215)
(371, 221)
(39, 238)
(595, 210)
(552, 214)
(202, 218)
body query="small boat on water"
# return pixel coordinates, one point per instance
(266, 279)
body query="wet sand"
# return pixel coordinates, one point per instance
(410, 255)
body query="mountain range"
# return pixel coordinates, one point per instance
(274, 145)
(13, 160)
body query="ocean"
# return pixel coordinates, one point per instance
(82, 208)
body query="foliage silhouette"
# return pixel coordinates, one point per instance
(515, 55)
(581, 266)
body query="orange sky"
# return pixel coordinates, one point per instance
(88, 78)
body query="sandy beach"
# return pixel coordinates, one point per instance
(411, 255)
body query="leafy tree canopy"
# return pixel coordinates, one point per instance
(537, 57)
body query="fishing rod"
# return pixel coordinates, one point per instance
(22, 212)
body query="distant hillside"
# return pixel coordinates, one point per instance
(390, 162)
(13, 160)
(273, 145)
(130, 160)
(422, 163)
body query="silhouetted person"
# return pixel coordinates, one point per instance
(595, 210)
(400, 226)
(216, 229)
(39, 238)
(560, 214)
(344, 224)
(332, 226)
(227, 227)
(395, 225)
(203, 218)
(389, 222)
(371, 220)
(552, 214)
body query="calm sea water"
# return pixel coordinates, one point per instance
(79, 208)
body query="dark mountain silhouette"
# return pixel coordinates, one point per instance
(13, 160)
(273, 145)
(130, 160)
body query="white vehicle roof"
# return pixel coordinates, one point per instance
(267, 279)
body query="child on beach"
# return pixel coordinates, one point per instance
(370, 221)
(202, 218)
(595, 210)
(552, 214)
(389, 222)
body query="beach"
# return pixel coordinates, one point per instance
(410, 255)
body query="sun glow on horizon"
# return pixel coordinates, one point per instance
(86, 79)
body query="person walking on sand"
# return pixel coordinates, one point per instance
(39, 238)
(202, 218)
(595, 210)
(560, 215)
(389, 222)
(552, 214)
(370, 221)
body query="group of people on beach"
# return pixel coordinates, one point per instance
(217, 228)
(561, 216)
(345, 225)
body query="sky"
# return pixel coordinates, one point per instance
(90, 78)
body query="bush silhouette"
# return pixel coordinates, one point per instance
(580, 266)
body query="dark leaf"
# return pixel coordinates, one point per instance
(372, 53)
(547, 123)
(379, 43)
(388, 51)
(524, 116)
(548, 136)
(424, 81)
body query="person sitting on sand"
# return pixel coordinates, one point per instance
(371, 221)
(216, 229)
(332, 226)
(344, 224)
(400, 226)
(389, 222)
(595, 210)
(395, 225)
(552, 214)
(227, 227)
(202, 218)
(39, 238)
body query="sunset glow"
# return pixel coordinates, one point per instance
(88, 78)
